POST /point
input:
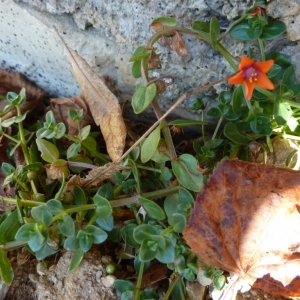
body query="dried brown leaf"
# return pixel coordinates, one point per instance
(60, 108)
(103, 105)
(94, 178)
(178, 45)
(14, 82)
(247, 221)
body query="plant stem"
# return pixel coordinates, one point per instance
(165, 128)
(139, 281)
(92, 220)
(291, 103)
(171, 287)
(22, 184)
(167, 230)
(22, 137)
(10, 137)
(227, 56)
(217, 127)
(265, 92)
(82, 165)
(248, 104)
(203, 127)
(262, 49)
(148, 168)
(231, 26)
(136, 214)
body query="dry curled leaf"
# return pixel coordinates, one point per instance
(103, 104)
(14, 82)
(178, 45)
(247, 221)
(94, 178)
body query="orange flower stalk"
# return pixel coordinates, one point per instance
(253, 73)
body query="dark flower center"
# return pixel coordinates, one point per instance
(251, 74)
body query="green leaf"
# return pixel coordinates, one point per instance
(148, 294)
(98, 234)
(178, 221)
(5, 268)
(244, 32)
(282, 60)
(150, 145)
(44, 251)
(66, 225)
(152, 209)
(140, 53)
(55, 206)
(59, 130)
(85, 240)
(232, 133)
(76, 260)
(224, 98)
(275, 69)
(136, 69)
(201, 26)
(136, 174)
(41, 214)
(238, 99)
(282, 112)
(123, 285)
(144, 231)
(185, 170)
(79, 195)
(165, 174)
(71, 243)
(214, 31)
(213, 143)
(9, 227)
(49, 151)
(106, 224)
(214, 112)
(148, 250)
(183, 122)
(103, 209)
(106, 191)
(288, 77)
(37, 239)
(7, 169)
(167, 254)
(219, 282)
(143, 97)
(84, 132)
(73, 149)
(272, 30)
(295, 88)
(166, 21)
(127, 235)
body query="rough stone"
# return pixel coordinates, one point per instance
(288, 11)
(59, 284)
(106, 34)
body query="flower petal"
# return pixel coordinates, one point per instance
(237, 78)
(246, 62)
(249, 87)
(264, 66)
(264, 82)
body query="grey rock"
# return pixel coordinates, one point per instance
(107, 33)
(57, 283)
(288, 11)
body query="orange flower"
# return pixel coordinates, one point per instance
(253, 73)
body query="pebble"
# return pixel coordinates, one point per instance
(108, 281)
